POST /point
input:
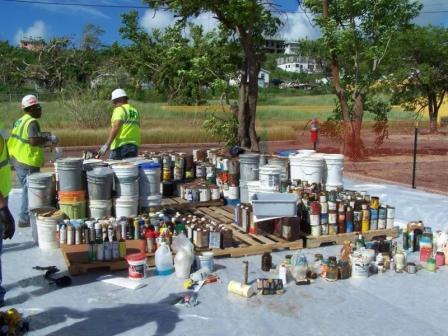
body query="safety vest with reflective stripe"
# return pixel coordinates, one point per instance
(5, 169)
(19, 145)
(129, 132)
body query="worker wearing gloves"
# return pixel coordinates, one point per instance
(7, 225)
(26, 149)
(124, 137)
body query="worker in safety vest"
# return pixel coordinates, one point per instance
(26, 149)
(124, 137)
(7, 225)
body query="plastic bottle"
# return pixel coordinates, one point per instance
(164, 259)
(107, 249)
(182, 262)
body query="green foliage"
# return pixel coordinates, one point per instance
(419, 64)
(84, 108)
(223, 127)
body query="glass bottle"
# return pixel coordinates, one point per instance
(266, 261)
(333, 271)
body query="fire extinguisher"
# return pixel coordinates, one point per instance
(314, 130)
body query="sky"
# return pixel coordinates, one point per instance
(34, 18)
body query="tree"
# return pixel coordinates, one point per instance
(358, 35)
(421, 79)
(250, 21)
(181, 66)
(91, 37)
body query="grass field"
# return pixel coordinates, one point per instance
(161, 123)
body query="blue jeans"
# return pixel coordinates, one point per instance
(22, 174)
(123, 152)
(2, 290)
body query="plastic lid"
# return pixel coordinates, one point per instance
(136, 257)
(149, 165)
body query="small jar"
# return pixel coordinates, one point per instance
(431, 265)
(333, 271)
(266, 261)
(440, 259)
(344, 270)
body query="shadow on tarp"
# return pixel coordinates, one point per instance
(15, 247)
(110, 321)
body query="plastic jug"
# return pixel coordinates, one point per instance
(299, 266)
(181, 241)
(164, 260)
(182, 263)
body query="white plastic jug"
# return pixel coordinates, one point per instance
(182, 263)
(164, 260)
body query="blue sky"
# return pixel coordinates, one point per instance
(19, 19)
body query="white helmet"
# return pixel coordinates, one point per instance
(118, 93)
(29, 100)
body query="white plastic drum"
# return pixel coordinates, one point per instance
(335, 171)
(270, 178)
(296, 166)
(312, 169)
(252, 188)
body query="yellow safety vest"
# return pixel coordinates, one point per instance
(19, 146)
(5, 169)
(129, 132)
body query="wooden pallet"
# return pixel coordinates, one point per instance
(338, 239)
(245, 244)
(180, 203)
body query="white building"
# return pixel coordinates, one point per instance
(298, 64)
(291, 48)
(263, 79)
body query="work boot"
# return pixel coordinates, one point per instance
(23, 223)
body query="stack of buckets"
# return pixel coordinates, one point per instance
(41, 199)
(313, 167)
(126, 189)
(149, 176)
(249, 173)
(71, 187)
(100, 183)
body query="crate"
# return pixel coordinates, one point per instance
(274, 205)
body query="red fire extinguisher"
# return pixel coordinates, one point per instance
(314, 131)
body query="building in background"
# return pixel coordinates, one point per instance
(299, 64)
(291, 48)
(32, 44)
(274, 46)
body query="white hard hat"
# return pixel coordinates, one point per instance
(118, 93)
(29, 100)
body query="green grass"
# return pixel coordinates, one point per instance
(278, 118)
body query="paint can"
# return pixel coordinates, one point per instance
(360, 268)
(137, 266)
(204, 194)
(315, 208)
(332, 229)
(210, 171)
(314, 220)
(323, 218)
(249, 165)
(411, 268)
(233, 193)
(324, 229)
(233, 167)
(382, 218)
(315, 230)
(440, 259)
(390, 217)
(199, 155)
(240, 289)
(200, 170)
(373, 218)
(206, 260)
(214, 193)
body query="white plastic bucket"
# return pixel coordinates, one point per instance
(137, 266)
(46, 231)
(41, 189)
(249, 164)
(126, 207)
(283, 164)
(99, 183)
(252, 188)
(335, 170)
(233, 193)
(149, 179)
(244, 192)
(296, 166)
(270, 178)
(126, 179)
(100, 208)
(312, 169)
(306, 151)
(70, 174)
(151, 201)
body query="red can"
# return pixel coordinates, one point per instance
(425, 254)
(315, 208)
(440, 259)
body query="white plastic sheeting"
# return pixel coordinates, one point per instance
(388, 304)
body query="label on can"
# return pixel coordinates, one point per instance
(390, 223)
(324, 228)
(314, 220)
(286, 232)
(382, 223)
(332, 218)
(332, 205)
(323, 218)
(323, 207)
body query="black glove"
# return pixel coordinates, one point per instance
(9, 226)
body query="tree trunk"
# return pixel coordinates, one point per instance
(243, 120)
(433, 110)
(254, 68)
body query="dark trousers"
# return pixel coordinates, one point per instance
(123, 152)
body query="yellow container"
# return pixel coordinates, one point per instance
(240, 289)
(74, 210)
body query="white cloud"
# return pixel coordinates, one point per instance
(37, 30)
(161, 19)
(297, 26)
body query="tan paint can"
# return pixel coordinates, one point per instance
(240, 289)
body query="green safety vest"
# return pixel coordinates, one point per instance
(129, 132)
(5, 169)
(19, 146)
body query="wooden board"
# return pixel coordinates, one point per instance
(243, 244)
(76, 258)
(338, 239)
(180, 203)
